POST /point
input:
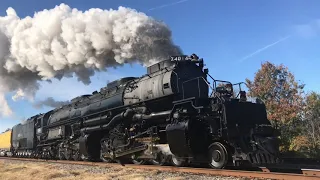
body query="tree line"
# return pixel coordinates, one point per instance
(290, 109)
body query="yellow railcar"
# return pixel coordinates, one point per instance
(5, 141)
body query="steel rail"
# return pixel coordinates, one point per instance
(306, 173)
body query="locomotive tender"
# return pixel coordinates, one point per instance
(167, 115)
(5, 143)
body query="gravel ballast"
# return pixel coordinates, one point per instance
(15, 170)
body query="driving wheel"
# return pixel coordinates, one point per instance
(176, 161)
(160, 159)
(218, 155)
(138, 161)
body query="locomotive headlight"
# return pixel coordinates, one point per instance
(39, 130)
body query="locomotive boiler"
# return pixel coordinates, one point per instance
(167, 115)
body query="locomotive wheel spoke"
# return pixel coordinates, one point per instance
(75, 155)
(218, 155)
(160, 160)
(68, 154)
(138, 161)
(107, 160)
(178, 161)
(61, 155)
(106, 148)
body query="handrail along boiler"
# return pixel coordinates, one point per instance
(167, 115)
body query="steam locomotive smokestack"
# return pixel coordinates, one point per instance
(61, 41)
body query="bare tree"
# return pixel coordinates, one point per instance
(312, 120)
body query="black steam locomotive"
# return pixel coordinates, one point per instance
(171, 114)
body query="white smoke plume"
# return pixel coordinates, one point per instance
(4, 107)
(62, 41)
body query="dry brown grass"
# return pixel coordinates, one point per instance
(45, 171)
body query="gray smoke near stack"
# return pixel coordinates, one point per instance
(62, 41)
(50, 102)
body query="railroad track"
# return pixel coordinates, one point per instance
(301, 174)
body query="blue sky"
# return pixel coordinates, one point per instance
(234, 38)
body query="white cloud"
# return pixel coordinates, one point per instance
(308, 30)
